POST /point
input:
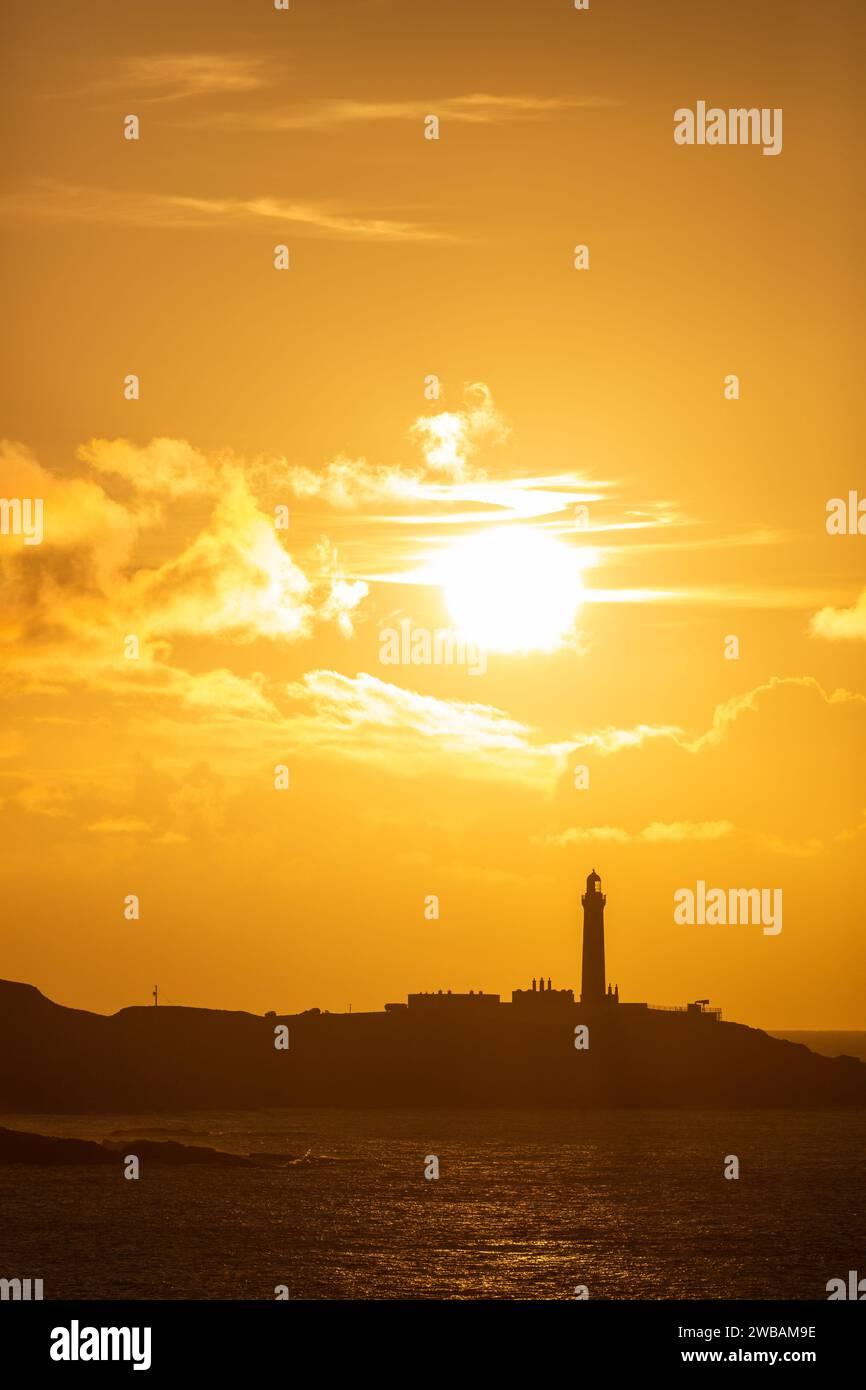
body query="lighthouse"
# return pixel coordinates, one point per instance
(592, 985)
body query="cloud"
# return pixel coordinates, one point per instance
(219, 693)
(77, 514)
(448, 442)
(169, 77)
(59, 202)
(344, 596)
(687, 830)
(368, 718)
(477, 108)
(132, 805)
(612, 740)
(121, 825)
(841, 624)
(72, 601)
(450, 439)
(175, 77)
(345, 703)
(168, 467)
(233, 579)
(655, 833)
(789, 693)
(576, 835)
(347, 483)
(56, 591)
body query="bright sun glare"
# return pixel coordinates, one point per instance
(512, 590)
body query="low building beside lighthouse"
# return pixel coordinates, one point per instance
(541, 995)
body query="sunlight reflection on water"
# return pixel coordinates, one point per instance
(529, 1204)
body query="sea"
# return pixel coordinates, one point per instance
(528, 1204)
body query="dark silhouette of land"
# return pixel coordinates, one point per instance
(47, 1151)
(437, 1049)
(451, 1054)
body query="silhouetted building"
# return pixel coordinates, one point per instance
(701, 1009)
(543, 996)
(593, 985)
(445, 998)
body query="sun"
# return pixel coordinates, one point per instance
(513, 590)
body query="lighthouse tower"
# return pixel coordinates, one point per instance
(592, 986)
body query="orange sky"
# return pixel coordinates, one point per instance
(305, 388)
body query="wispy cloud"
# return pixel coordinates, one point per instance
(170, 77)
(612, 740)
(179, 77)
(364, 717)
(658, 832)
(448, 441)
(121, 825)
(710, 596)
(475, 108)
(60, 202)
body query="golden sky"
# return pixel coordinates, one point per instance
(560, 389)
